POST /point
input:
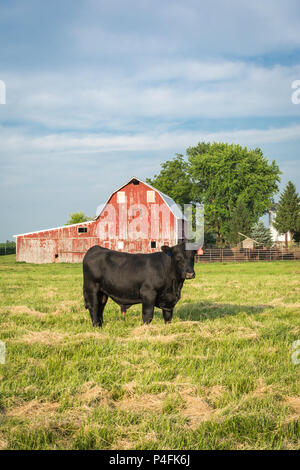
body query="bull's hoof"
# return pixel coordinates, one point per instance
(97, 325)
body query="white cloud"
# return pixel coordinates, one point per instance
(170, 92)
(63, 144)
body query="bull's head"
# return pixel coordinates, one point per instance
(183, 260)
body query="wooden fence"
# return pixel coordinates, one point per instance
(247, 254)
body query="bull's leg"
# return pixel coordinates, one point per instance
(102, 299)
(89, 300)
(148, 302)
(148, 312)
(168, 315)
(96, 302)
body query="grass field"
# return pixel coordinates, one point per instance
(220, 376)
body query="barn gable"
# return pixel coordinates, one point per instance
(168, 200)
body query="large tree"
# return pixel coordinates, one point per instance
(222, 174)
(219, 175)
(288, 211)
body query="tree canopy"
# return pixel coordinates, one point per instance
(288, 211)
(77, 217)
(219, 175)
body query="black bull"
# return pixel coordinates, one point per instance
(154, 280)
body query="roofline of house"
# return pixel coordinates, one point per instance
(249, 238)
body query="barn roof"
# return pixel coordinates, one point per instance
(174, 208)
(54, 228)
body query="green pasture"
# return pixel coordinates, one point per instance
(223, 375)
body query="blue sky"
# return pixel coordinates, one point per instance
(99, 91)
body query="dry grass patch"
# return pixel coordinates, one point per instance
(216, 391)
(196, 410)
(34, 409)
(92, 392)
(43, 337)
(130, 442)
(124, 444)
(140, 403)
(246, 333)
(130, 387)
(3, 443)
(145, 333)
(294, 404)
(23, 309)
(262, 389)
(54, 337)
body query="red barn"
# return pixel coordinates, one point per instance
(137, 218)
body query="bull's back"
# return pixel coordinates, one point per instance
(116, 271)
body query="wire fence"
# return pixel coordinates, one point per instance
(212, 255)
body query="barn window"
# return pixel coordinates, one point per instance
(82, 229)
(121, 197)
(153, 244)
(150, 196)
(135, 182)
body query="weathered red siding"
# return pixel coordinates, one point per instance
(65, 244)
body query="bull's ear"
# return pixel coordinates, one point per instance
(166, 249)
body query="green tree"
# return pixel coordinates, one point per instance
(174, 180)
(219, 175)
(77, 217)
(261, 234)
(222, 174)
(288, 211)
(240, 222)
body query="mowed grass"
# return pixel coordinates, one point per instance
(220, 376)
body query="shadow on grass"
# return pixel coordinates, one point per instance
(209, 310)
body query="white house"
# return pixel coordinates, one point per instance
(277, 237)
